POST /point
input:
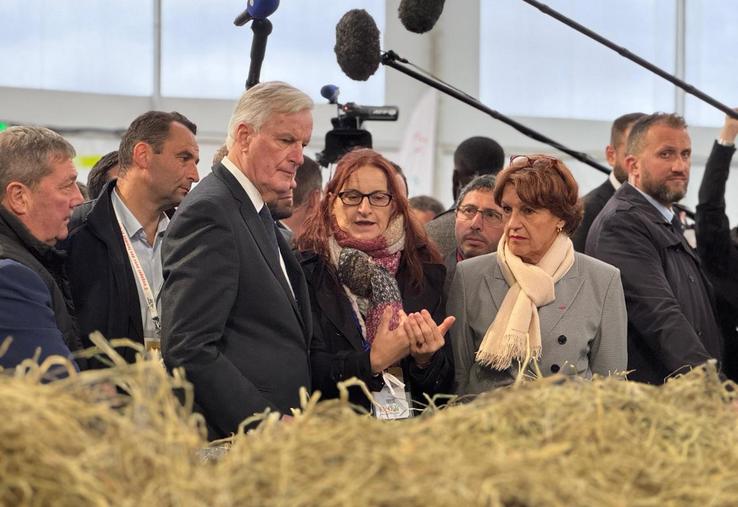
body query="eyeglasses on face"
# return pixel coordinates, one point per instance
(354, 198)
(489, 216)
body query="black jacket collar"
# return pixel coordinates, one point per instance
(16, 232)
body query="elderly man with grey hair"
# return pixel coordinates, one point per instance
(235, 307)
(38, 190)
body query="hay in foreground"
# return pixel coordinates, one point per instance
(547, 442)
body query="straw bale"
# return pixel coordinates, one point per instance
(548, 442)
(551, 441)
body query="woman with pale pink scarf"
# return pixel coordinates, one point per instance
(536, 307)
(375, 286)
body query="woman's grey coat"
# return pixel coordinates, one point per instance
(583, 331)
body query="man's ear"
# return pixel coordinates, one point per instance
(17, 198)
(610, 155)
(633, 166)
(244, 134)
(142, 154)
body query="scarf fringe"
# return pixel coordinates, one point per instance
(515, 332)
(499, 353)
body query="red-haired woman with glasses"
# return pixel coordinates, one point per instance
(376, 291)
(536, 302)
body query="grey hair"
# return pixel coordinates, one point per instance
(260, 102)
(26, 154)
(484, 183)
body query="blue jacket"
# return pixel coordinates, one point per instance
(34, 309)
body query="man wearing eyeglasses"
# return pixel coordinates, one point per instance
(475, 156)
(479, 224)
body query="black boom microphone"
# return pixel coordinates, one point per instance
(359, 57)
(357, 44)
(419, 16)
(634, 58)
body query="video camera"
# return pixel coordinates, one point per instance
(347, 132)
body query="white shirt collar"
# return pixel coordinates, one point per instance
(248, 187)
(614, 181)
(131, 224)
(667, 213)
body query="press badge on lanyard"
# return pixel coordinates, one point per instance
(152, 344)
(393, 401)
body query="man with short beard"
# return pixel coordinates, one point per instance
(671, 320)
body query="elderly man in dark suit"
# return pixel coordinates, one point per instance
(595, 200)
(235, 308)
(671, 320)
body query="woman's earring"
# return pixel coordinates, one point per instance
(559, 228)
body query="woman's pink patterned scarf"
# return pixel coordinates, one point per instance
(367, 269)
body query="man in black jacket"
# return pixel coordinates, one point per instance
(671, 320)
(158, 163)
(718, 251)
(38, 190)
(595, 200)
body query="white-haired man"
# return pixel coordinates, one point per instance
(235, 307)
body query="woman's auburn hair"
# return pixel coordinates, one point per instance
(545, 183)
(319, 224)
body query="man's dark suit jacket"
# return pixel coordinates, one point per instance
(717, 250)
(671, 320)
(228, 315)
(593, 204)
(103, 285)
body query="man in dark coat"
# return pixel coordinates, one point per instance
(718, 251)
(158, 164)
(595, 200)
(671, 320)
(38, 190)
(235, 307)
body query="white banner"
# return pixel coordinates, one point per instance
(418, 151)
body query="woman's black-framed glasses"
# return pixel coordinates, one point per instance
(489, 216)
(354, 198)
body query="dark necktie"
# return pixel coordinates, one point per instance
(677, 225)
(268, 222)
